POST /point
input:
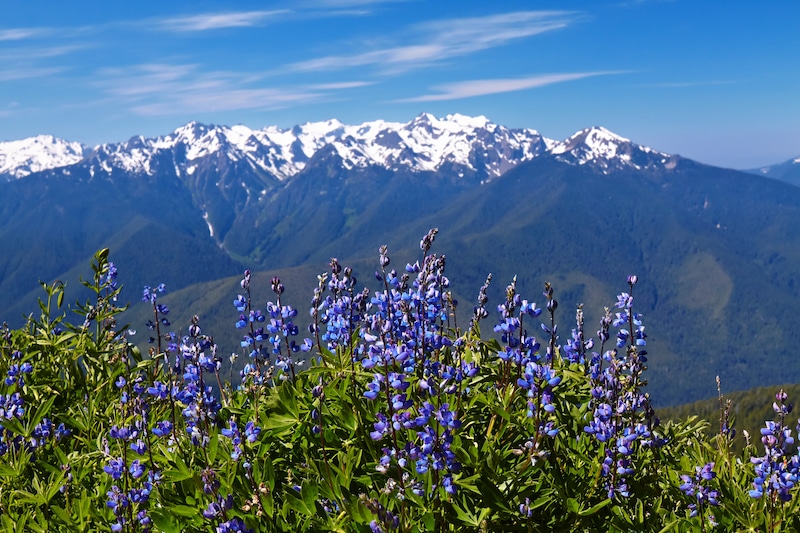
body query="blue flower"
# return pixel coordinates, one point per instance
(115, 468)
(136, 469)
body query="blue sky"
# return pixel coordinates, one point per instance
(715, 81)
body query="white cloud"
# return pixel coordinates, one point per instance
(9, 74)
(468, 89)
(340, 85)
(9, 109)
(216, 21)
(200, 101)
(445, 39)
(402, 55)
(167, 89)
(18, 34)
(32, 53)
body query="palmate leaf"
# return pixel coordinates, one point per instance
(299, 504)
(470, 516)
(41, 411)
(281, 424)
(181, 471)
(164, 521)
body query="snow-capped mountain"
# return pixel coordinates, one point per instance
(424, 144)
(608, 151)
(21, 158)
(467, 145)
(788, 171)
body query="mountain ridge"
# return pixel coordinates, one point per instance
(475, 145)
(787, 171)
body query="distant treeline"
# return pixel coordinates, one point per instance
(749, 409)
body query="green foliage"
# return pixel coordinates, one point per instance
(747, 408)
(525, 461)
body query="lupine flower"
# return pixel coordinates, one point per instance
(136, 469)
(776, 472)
(620, 408)
(234, 525)
(697, 488)
(115, 468)
(150, 294)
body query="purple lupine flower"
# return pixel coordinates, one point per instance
(622, 417)
(696, 487)
(115, 468)
(776, 472)
(235, 525)
(136, 469)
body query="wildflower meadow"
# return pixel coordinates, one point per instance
(384, 415)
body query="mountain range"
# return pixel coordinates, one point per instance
(717, 250)
(788, 171)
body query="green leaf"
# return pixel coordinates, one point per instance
(347, 420)
(269, 504)
(164, 521)
(268, 473)
(84, 507)
(213, 446)
(23, 496)
(670, 526)
(8, 471)
(466, 516)
(358, 511)
(430, 521)
(309, 493)
(573, 506)
(55, 484)
(594, 509)
(14, 425)
(8, 523)
(281, 424)
(296, 504)
(181, 473)
(184, 510)
(288, 398)
(62, 514)
(493, 497)
(351, 460)
(468, 483)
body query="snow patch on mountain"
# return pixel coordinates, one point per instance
(21, 158)
(608, 151)
(424, 144)
(465, 144)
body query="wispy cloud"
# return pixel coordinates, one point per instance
(682, 84)
(468, 89)
(19, 34)
(402, 55)
(10, 74)
(340, 85)
(445, 39)
(9, 109)
(197, 101)
(33, 53)
(169, 89)
(468, 35)
(216, 21)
